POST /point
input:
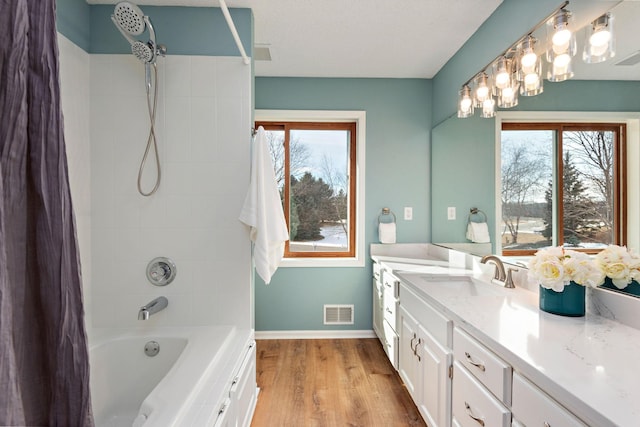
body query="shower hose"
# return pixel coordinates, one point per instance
(151, 140)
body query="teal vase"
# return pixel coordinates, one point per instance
(569, 302)
(632, 288)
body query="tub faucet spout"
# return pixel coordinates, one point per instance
(152, 307)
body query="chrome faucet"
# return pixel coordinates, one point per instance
(499, 274)
(152, 307)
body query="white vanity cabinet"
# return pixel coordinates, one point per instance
(239, 406)
(481, 384)
(425, 357)
(533, 407)
(378, 308)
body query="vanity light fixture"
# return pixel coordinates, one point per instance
(465, 102)
(562, 47)
(530, 71)
(518, 70)
(600, 40)
(482, 90)
(502, 72)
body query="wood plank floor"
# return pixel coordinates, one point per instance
(330, 382)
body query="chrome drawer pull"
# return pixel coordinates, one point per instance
(411, 343)
(474, 363)
(473, 417)
(389, 311)
(415, 350)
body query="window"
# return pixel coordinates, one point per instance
(317, 170)
(562, 184)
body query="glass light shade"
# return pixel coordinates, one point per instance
(560, 68)
(508, 97)
(488, 108)
(482, 88)
(502, 72)
(600, 41)
(530, 72)
(465, 102)
(560, 38)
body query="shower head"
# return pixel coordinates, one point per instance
(130, 18)
(131, 21)
(143, 51)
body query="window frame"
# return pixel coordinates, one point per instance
(629, 205)
(323, 120)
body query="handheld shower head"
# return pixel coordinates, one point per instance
(131, 21)
(130, 18)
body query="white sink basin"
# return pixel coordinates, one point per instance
(455, 284)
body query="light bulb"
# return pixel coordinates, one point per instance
(561, 37)
(561, 64)
(528, 62)
(482, 92)
(465, 104)
(502, 80)
(507, 95)
(531, 81)
(599, 42)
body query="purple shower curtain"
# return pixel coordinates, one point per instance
(44, 366)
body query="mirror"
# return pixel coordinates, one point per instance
(464, 161)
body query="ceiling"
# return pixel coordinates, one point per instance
(376, 38)
(355, 38)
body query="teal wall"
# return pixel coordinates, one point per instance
(398, 115)
(184, 30)
(73, 20)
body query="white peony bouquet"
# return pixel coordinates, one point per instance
(619, 264)
(554, 268)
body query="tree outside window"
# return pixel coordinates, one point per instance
(313, 164)
(561, 185)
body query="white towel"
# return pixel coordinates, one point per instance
(262, 211)
(387, 232)
(478, 232)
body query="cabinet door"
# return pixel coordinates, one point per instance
(244, 390)
(434, 361)
(377, 310)
(407, 363)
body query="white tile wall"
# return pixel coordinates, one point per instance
(203, 128)
(74, 82)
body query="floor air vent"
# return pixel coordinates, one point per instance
(338, 314)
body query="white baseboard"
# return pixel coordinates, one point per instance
(290, 335)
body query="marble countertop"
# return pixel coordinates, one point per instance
(588, 364)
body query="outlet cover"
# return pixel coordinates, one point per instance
(408, 213)
(451, 213)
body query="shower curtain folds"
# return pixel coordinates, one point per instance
(44, 365)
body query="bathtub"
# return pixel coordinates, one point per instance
(186, 383)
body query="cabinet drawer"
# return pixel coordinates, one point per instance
(390, 308)
(391, 284)
(376, 270)
(473, 405)
(532, 407)
(435, 323)
(390, 344)
(492, 371)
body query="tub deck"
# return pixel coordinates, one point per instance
(194, 387)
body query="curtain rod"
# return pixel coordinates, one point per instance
(234, 32)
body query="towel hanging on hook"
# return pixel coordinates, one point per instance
(387, 226)
(477, 231)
